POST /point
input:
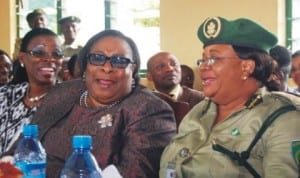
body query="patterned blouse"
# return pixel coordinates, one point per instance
(13, 114)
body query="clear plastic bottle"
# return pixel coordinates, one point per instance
(30, 156)
(81, 163)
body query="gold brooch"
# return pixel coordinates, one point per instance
(106, 121)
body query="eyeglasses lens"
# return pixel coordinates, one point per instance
(209, 61)
(42, 54)
(116, 61)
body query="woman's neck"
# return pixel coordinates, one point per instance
(237, 102)
(37, 90)
(35, 94)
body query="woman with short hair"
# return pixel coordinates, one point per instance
(41, 56)
(216, 138)
(129, 125)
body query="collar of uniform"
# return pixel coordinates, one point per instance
(256, 98)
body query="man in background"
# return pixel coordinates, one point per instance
(163, 69)
(70, 27)
(35, 19)
(283, 59)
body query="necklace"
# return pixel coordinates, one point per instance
(36, 98)
(83, 101)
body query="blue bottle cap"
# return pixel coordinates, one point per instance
(30, 130)
(82, 141)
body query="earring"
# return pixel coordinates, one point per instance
(21, 64)
(83, 76)
(133, 84)
(244, 77)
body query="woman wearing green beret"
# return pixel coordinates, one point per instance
(222, 135)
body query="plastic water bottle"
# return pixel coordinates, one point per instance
(81, 163)
(30, 156)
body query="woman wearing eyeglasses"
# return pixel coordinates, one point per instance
(129, 125)
(41, 56)
(217, 137)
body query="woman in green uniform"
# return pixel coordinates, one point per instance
(215, 138)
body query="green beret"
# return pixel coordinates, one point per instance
(35, 13)
(69, 19)
(240, 32)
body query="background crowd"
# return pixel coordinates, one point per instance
(68, 88)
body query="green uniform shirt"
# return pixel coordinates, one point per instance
(190, 153)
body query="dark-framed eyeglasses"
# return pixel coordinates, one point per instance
(115, 61)
(57, 55)
(210, 61)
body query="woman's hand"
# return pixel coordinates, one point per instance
(7, 159)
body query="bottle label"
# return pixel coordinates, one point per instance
(32, 170)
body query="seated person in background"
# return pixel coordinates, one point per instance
(69, 27)
(187, 76)
(295, 71)
(73, 67)
(283, 59)
(5, 68)
(70, 69)
(129, 125)
(64, 72)
(213, 138)
(35, 19)
(163, 69)
(41, 55)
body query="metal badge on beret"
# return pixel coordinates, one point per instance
(74, 19)
(69, 19)
(212, 27)
(38, 11)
